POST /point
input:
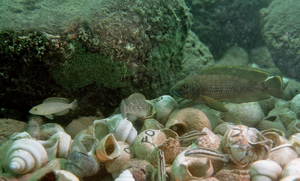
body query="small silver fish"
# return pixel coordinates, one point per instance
(161, 165)
(208, 153)
(191, 136)
(54, 106)
(135, 106)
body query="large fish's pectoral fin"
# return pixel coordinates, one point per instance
(49, 116)
(214, 104)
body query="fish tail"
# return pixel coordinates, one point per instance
(74, 105)
(274, 86)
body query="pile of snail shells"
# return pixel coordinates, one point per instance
(113, 146)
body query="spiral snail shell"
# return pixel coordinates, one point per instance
(58, 145)
(122, 129)
(82, 160)
(25, 155)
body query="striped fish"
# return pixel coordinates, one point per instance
(208, 153)
(195, 134)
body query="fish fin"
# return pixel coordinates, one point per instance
(251, 74)
(49, 116)
(274, 85)
(56, 99)
(214, 104)
(62, 112)
(227, 117)
(250, 98)
(123, 109)
(74, 105)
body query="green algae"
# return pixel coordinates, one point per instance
(85, 68)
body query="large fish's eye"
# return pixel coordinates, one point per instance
(184, 86)
(35, 109)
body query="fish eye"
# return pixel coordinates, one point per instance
(35, 109)
(184, 86)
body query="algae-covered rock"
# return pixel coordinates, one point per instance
(196, 55)
(106, 49)
(280, 29)
(221, 24)
(234, 56)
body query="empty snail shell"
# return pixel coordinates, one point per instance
(245, 145)
(108, 148)
(122, 129)
(126, 175)
(25, 155)
(186, 120)
(164, 106)
(82, 165)
(58, 145)
(125, 132)
(117, 164)
(82, 160)
(265, 170)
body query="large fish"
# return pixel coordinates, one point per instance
(228, 83)
(54, 106)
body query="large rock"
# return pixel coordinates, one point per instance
(9, 127)
(280, 29)
(221, 24)
(97, 51)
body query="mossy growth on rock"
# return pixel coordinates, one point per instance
(25, 46)
(85, 68)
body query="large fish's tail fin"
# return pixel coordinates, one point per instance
(274, 86)
(74, 105)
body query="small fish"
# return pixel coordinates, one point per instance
(208, 153)
(135, 106)
(161, 165)
(228, 83)
(54, 106)
(191, 136)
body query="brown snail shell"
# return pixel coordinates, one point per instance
(245, 145)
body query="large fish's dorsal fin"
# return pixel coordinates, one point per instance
(56, 99)
(251, 74)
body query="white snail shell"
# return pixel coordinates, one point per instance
(122, 129)
(126, 175)
(264, 170)
(25, 155)
(125, 132)
(164, 106)
(58, 145)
